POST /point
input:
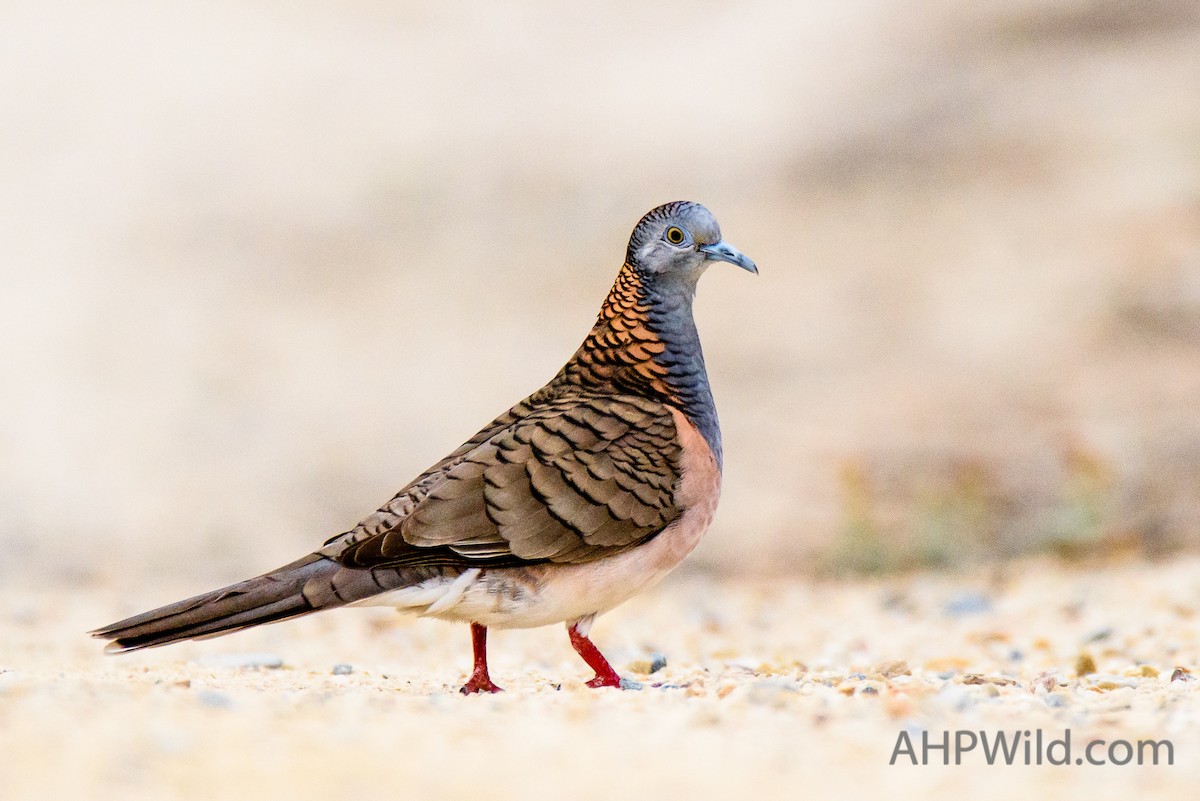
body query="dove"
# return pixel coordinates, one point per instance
(583, 494)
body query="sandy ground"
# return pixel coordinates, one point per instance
(772, 689)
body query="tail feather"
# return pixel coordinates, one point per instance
(274, 596)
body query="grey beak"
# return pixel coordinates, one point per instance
(723, 251)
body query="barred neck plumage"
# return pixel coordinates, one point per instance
(645, 343)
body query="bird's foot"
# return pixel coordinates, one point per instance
(480, 684)
(606, 680)
(605, 675)
(613, 680)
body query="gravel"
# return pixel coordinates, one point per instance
(775, 688)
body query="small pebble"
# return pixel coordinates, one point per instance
(1141, 671)
(1105, 681)
(968, 603)
(1045, 682)
(342, 669)
(215, 700)
(890, 670)
(990, 681)
(645, 667)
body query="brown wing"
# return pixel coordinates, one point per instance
(575, 480)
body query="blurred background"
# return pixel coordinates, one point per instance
(261, 264)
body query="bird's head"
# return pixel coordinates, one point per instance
(681, 239)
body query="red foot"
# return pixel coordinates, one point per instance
(605, 675)
(604, 681)
(479, 682)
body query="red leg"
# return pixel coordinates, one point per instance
(479, 682)
(605, 675)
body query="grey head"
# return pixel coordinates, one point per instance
(680, 239)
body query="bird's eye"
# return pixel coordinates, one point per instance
(675, 235)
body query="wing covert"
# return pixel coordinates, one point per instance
(575, 480)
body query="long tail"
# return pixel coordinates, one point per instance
(294, 589)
